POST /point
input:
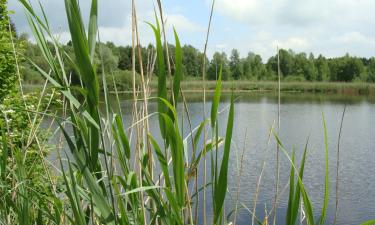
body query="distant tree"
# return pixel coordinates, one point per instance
(323, 72)
(124, 62)
(190, 61)
(115, 50)
(371, 70)
(348, 68)
(286, 62)
(253, 67)
(312, 73)
(246, 68)
(304, 67)
(106, 58)
(218, 60)
(353, 69)
(235, 64)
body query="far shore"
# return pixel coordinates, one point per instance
(245, 86)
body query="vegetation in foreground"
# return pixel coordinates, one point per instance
(110, 177)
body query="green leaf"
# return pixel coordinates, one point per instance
(162, 76)
(93, 28)
(162, 160)
(216, 100)
(221, 187)
(370, 222)
(326, 186)
(297, 195)
(291, 194)
(124, 138)
(178, 69)
(177, 150)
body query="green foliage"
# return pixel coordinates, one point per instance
(106, 58)
(371, 70)
(218, 60)
(235, 65)
(24, 184)
(323, 71)
(191, 61)
(123, 79)
(253, 67)
(7, 60)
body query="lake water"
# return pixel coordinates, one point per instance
(301, 118)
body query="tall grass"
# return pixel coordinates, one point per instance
(110, 175)
(99, 183)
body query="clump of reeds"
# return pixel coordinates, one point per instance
(109, 177)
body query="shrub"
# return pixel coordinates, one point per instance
(24, 171)
(123, 80)
(7, 59)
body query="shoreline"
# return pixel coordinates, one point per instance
(244, 86)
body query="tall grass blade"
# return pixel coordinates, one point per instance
(326, 188)
(123, 137)
(297, 196)
(291, 193)
(216, 99)
(86, 72)
(221, 187)
(162, 77)
(93, 28)
(177, 152)
(162, 160)
(178, 69)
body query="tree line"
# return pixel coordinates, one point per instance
(294, 66)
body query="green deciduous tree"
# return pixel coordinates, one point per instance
(235, 65)
(371, 70)
(322, 68)
(191, 61)
(218, 60)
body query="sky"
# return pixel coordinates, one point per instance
(328, 27)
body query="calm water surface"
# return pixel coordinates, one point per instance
(301, 119)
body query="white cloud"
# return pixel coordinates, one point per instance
(354, 38)
(238, 9)
(182, 23)
(296, 12)
(295, 43)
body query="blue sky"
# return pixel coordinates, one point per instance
(328, 27)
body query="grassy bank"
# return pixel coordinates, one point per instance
(244, 86)
(270, 86)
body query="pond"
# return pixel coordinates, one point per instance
(301, 120)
